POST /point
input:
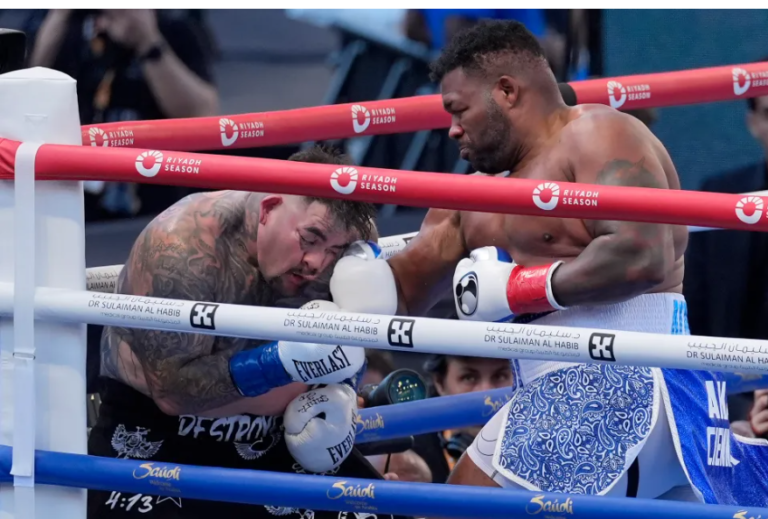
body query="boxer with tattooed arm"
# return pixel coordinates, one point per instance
(204, 400)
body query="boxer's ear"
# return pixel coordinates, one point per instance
(268, 204)
(509, 89)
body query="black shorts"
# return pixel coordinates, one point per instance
(131, 426)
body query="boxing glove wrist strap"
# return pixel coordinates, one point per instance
(354, 381)
(529, 290)
(257, 371)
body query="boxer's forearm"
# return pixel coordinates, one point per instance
(180, 384)
(269, 404)
(611, 269)
(175, 369)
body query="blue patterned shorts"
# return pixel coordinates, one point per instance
(571, 430)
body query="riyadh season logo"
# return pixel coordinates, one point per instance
(619, 94)
(542, 189)
(99, 137)
(548, 195)
(613, 88)
(231, 131)
(749, 209)
(362, 118)
(93, 132)
(356, 124)
(739, 75)
(228, 126)
(344, 180)
(148, 163)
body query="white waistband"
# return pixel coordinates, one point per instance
(651, 313)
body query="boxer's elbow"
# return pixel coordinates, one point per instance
(171, 407)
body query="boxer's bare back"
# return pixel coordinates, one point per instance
(595, 145)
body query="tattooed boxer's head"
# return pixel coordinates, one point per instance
(301, 238)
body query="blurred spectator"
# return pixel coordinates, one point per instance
(403, 466)
(454, 375)
(726, 284)
(130, 64)
(758, 415)
(380, 364)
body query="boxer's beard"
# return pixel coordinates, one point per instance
(495, 152)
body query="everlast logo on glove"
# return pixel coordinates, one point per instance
(340, 451)
(310, 370)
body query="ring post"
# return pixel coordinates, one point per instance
(42, 364)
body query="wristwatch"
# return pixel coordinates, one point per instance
(154, 53)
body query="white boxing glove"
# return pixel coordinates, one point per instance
(490, 286)
(320, 427)
(257, 371)
(362, 282)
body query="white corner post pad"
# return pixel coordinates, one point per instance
(42, 243)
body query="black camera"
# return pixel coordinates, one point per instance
(402, 385)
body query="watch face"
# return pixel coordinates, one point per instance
(406, 388)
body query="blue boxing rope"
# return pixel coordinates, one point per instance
(347, 494)
(430, 415)
(472, 409)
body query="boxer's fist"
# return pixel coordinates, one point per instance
(320, 427)
(480, 285)
(361, 282)
(257, 371)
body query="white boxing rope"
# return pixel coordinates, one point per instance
(104, 279)
(411, 334)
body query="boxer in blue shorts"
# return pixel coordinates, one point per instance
(589, 429)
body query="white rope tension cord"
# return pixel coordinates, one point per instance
(420, 335)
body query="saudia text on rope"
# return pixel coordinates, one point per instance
(368, 424)
(538, 505)
(342, 489)
(147, 470)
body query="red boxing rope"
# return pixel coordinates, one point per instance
(468, 193)
(412, 114)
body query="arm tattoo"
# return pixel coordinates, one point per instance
(625, 173)
(183, 372)
(628, 174)
(624, 259)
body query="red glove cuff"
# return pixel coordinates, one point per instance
(529, 290)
